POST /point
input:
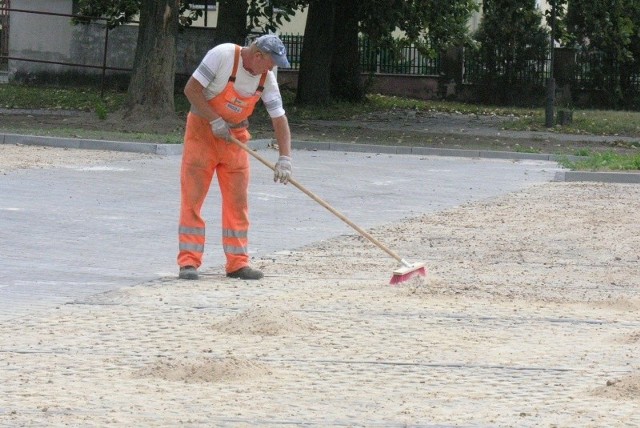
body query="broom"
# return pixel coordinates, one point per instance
(404, 273)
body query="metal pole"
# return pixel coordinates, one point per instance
(551, 83)
(104, 60)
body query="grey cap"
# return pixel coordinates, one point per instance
(270, 43)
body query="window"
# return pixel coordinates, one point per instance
(202, 4)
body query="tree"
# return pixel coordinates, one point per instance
(236, 19)
(346, 83)
(151, 88)
(150, 95)
(314, 77)
(513, 49)
(232, 22)
(437, 21)
(610, 30)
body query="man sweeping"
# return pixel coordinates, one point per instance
(223, 92)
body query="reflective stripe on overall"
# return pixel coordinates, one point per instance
(203, 155)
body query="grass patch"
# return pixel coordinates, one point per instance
(590, 122)
(44, 97)
(78, 99)
(596, 122)
(382, 103)
(606, 161)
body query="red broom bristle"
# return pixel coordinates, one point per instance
(398, 278)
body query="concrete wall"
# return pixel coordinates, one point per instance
(43, 37)
(55, 39)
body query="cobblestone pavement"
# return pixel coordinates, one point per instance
(362, 354)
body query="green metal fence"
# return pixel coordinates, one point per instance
(589, 70)
(534, 71)
(595, 72)
(401, 60)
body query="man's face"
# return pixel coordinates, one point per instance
(262, 62)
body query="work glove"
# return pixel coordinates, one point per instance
(282, 170)
(220, 129)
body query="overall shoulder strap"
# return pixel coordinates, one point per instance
(263, 78)
(236, 61)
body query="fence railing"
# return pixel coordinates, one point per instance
(585, 73)
(400, 60)
(534, 71)
(594, 71)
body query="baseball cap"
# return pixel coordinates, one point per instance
(270, 43)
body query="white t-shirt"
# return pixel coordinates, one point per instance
(216, 67)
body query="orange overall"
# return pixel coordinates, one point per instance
(203, 155)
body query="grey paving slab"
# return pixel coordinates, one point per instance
(72, 232)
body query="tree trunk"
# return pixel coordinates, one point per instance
(232, 22)
(346, 84)
(151, 90)
(314, 78)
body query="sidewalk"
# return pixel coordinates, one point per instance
(564, 175)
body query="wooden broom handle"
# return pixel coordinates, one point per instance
(316, 198)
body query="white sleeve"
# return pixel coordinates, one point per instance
(271, 97)
(215, 68)
(206, 71)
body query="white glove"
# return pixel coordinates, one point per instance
(220, 128)
(282, 171)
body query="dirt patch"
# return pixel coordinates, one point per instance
(206, 370)
(624, 388)
(264, 321)
(15, 157)
(564, 243)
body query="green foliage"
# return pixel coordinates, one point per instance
(270, 14)
(116, 12)
(513, 47)
(101, 110)
(591, 122)
(607, 161)
(426, 22)
(559, 23)
(42, 97)
(267, 15)
(613, 28)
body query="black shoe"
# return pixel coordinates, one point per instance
(188, 272)
(245, 273)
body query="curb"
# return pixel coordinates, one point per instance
(261, 144)
(426, 151)
(600, 177)
(122, 146)
(78, 143)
